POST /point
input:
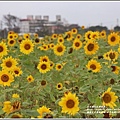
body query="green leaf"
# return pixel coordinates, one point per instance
(52, 97)
(98, 101)
(90, 98)
(83, 105)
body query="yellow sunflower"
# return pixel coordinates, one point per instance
(59, 67)
(74, 31)
(15, 106)
(17, 71)
(36, 35)
(78, 36)
(6, 78)
(30, 78)
(95, 35)
(3, 49)
(77, 44)
(115, 69)
(11, 32)
(106, 56)
(82, 27)
(109, 98)
(59, 86)
(43, 67)
(91, 47)
(37, 41)
(103, 34)
(59, 49)
(54, 36)
(69, 104)
(10, 36)
(88, 35)
(26, 46)
(60, 40)
(15, 35)
(7, 106)
(26, 36)
(51, 45)
(11, 42)
(9, 63)
(94, 66)
(44, 59)
(113, 39)
(44, 47)
(42, 110)
(112, 55)
(51, 64)
(69, 36)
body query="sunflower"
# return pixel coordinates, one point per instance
(42, 110)
(30, 78)
(15, 35)
(44, 47)
(59, 86)
(69, 36)
(43, 83)
(109, 98)
(88, 35)
(11, 42)
(112, 55)
(69, 104)
(10, 36)
(95, 35)
(17, 71)
(7, 107)
(11, 32)
(91, 47)
(36, 35)
(94, 66)
(16, 116)
(3, 49)
(54, 36)
(103, 34)
(74, 31)
(59, 49)
(115, 69)
(78, 36)
(37, 40)
(44, 59)
(26, 36)
(106, 56)
(51, 45)
(9, 63)
(113, 39)
(77, 44)
(60, 40)
(26, 46)
(59, 67)
(5, 78)
(51, 65)
(15, 96)
(83, 27)
(43, 67)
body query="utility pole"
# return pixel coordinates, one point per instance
(117, 22)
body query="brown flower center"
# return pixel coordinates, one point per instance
(16, 72)
(88, 36)
(43, 82)
(59, 66)
(90, 47)
(93, 67)
(11, 41)
(4, 78)
(59, 86)
(113, 68)
(43, 66)
(112, 55)
(27, 46)
(70, 103)
(1, 48)
(106, 98)
(77, 44)
(59, 49)
(113, 39)
(9, 64)
(44, 60)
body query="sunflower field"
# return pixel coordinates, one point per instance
(70, 75)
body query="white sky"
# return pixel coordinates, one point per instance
(86, 13)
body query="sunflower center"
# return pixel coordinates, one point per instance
(88, 36)
(43, 82)
(70, 103)
(112, 55)
(90, 47)
(77, 44)
(1, 48)
(37, 40)
(60, 40)
(27, 46)
(11, 37)
(59, 66)
(8, 64)
(59, 49)
(12, 41)
(44, 60)
(106, 98)
(113, 39)
(93, 66)
(43, 66)
(59, 86)
(16, 72)
(113, 68)
(4, 78)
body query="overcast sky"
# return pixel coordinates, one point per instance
(83, 13)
